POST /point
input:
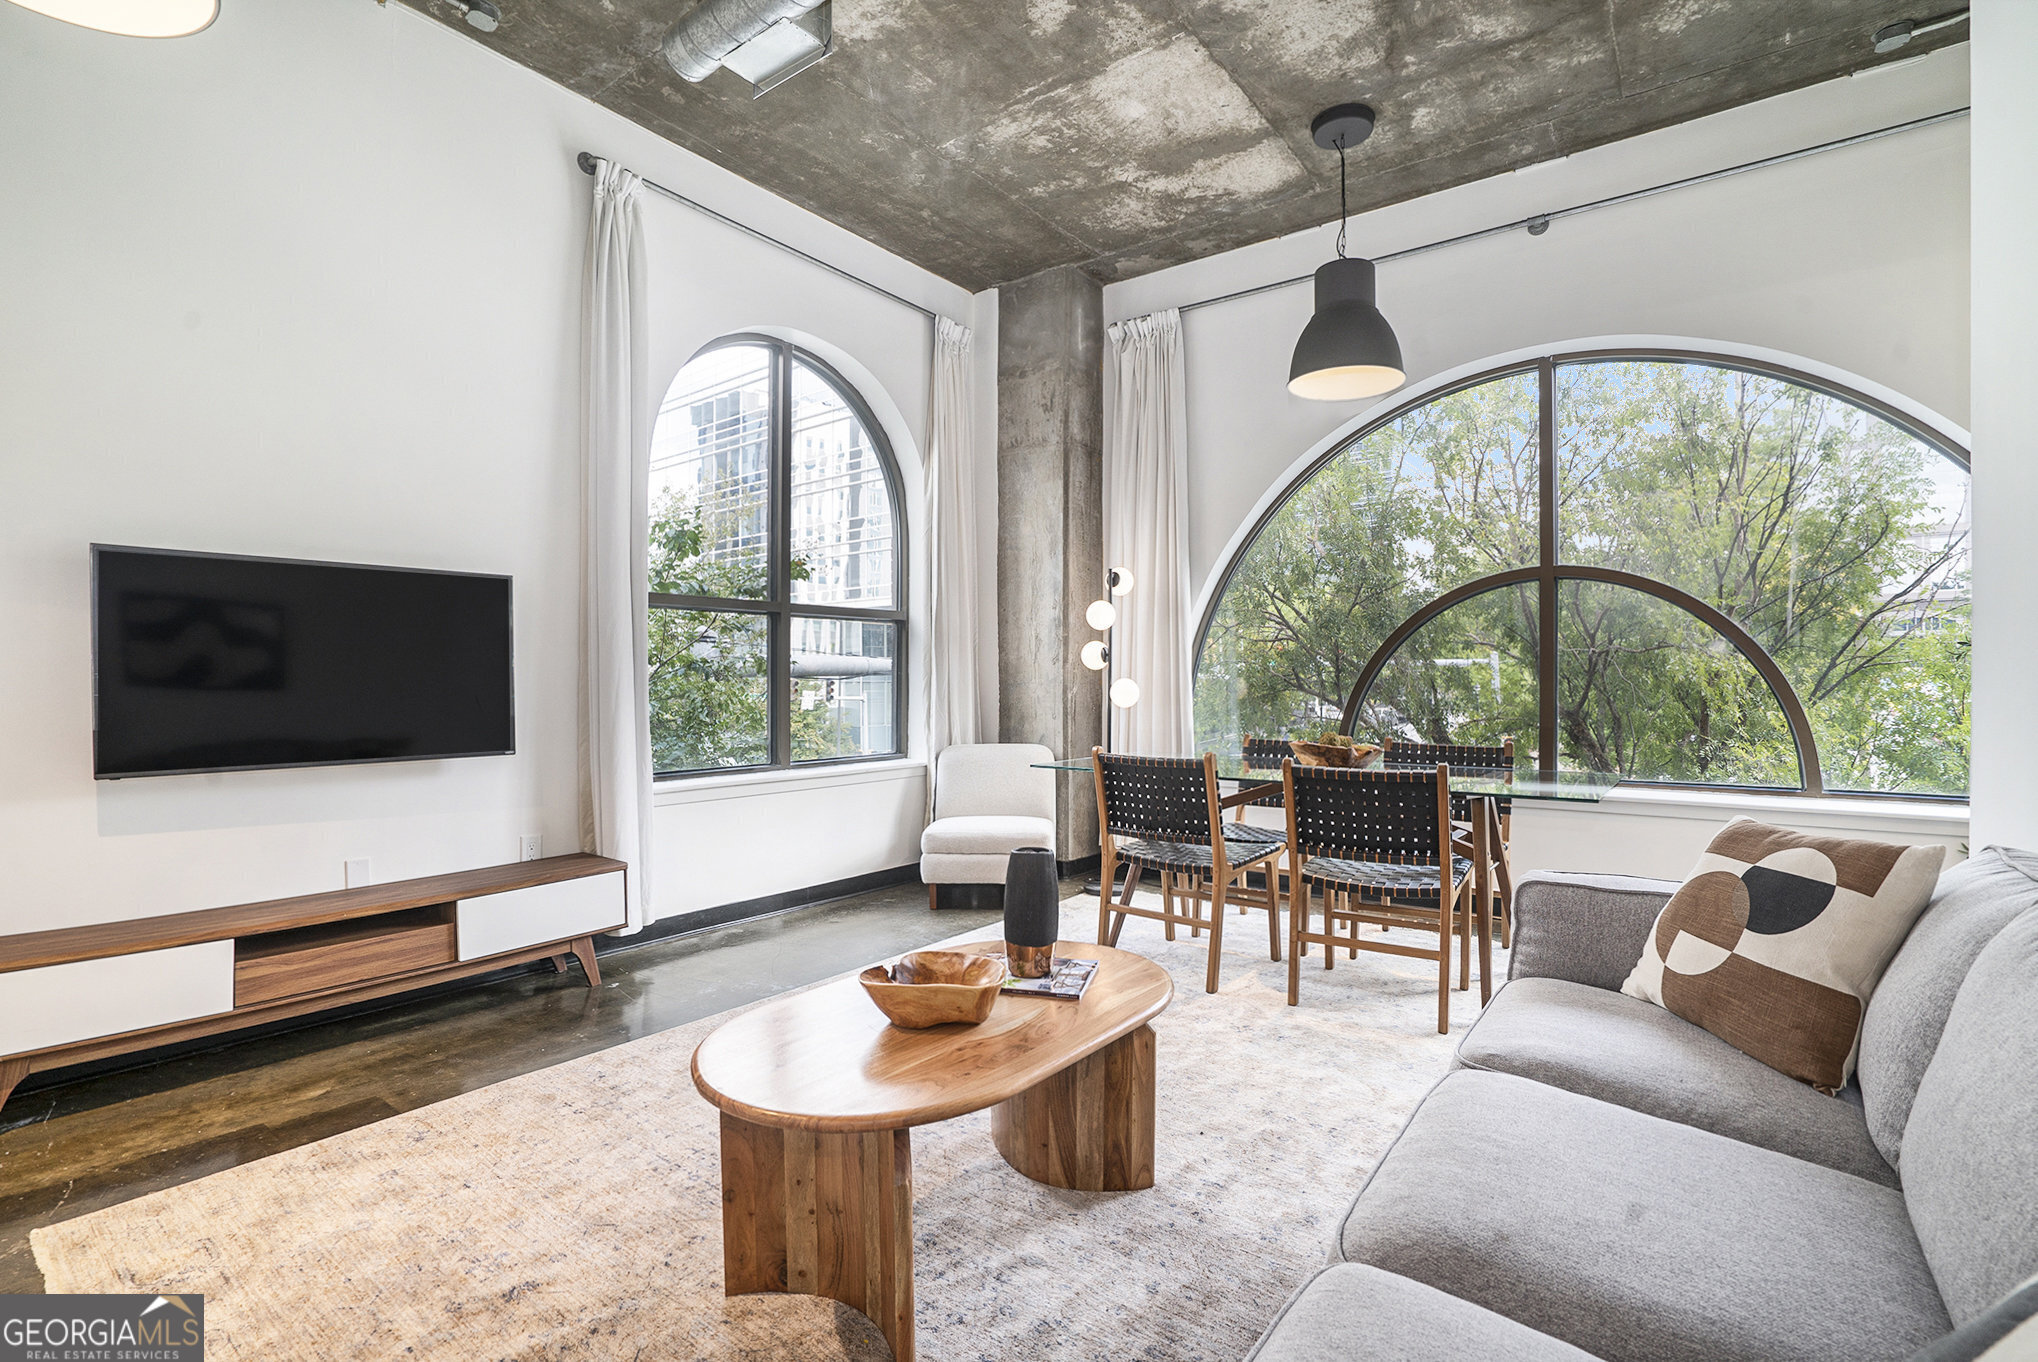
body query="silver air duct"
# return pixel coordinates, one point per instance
(713, 29)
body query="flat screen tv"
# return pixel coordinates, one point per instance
(216, 662)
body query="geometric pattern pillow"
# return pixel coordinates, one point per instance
(1776, 939)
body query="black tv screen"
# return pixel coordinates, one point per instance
(214, 662)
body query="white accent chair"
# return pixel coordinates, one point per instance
(989, 800)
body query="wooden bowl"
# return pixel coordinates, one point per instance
(932, 988)
(1330, 754)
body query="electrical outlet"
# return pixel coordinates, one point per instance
(356, 871)
(531, 848)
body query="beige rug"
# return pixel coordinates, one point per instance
(574, 1213)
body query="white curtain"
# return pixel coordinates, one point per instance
(951, 512)
(615, 709)
(1146, 516)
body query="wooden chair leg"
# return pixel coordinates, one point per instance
(1464, 912)
(1330, 925)
(1216, 935)
(1298, 913)
(1107, 870)
(1446, 910)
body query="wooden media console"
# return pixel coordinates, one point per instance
(81, 993)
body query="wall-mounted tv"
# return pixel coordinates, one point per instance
(216, 662)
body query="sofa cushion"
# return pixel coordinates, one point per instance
(1974, 901)
(1777, 939)
(1968, 1171)
(986, 835)
(1639, 1239)
(1622, 1050)
(1586, 928)
(1349, 1310)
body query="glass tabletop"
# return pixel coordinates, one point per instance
(1582, 787)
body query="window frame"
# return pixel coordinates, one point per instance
(1550, 569)
(777, 604)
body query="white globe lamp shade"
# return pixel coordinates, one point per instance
(1125, 692)
(1095, 655)
(1121, 581)
(1101, 614)
(132, 18)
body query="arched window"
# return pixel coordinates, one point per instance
(777, 607)
(1683, 568)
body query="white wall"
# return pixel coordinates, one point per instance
(307, 284)
(2005, 168)
(1854, 262)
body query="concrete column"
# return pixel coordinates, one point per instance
(1051, 526)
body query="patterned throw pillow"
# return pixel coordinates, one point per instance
(1776, 939)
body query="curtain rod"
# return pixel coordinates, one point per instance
(1538, 223)
(586, 160)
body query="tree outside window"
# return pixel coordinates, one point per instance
(1742, 578)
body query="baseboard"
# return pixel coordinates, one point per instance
(1081, 865)
(721, 916)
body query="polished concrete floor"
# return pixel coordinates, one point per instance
(77, 1146)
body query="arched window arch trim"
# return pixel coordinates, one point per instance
(1551, 570)
(778, 604)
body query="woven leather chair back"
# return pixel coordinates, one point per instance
(1156, 799)
(1470, 758)
(1367, 815)
(1265, 754)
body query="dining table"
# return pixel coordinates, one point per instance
(1482, 791)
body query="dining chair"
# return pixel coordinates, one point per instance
(1377, 846)
(1468, 758)
(1166, 814)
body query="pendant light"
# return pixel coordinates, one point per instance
(1348, 350)
(132, 18)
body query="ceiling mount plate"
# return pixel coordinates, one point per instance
(1349, 124)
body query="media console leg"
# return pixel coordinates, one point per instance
(583, 950)
(12, 1071)
(822, 1214)
(1089, 1128)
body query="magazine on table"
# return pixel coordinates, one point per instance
(1065, 979)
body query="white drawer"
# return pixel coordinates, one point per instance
(494, 923)
(58, 1004)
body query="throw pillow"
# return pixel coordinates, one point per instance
(1776, 939)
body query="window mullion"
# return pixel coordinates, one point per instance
(781, 557)
(1546, 583)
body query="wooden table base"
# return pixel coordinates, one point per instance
(1090, 1127)
(822, 1215)
(831, 1215)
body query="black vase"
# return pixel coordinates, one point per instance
(1032, 912)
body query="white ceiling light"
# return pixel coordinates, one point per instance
(134, 18)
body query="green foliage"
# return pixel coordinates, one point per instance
(1814, 525)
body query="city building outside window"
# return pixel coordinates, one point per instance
(777, 604)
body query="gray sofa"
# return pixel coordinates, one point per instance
(1599, 1178)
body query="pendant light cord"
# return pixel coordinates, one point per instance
(1343, 211)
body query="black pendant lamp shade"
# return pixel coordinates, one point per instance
(1348, 350)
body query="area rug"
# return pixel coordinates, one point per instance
(574, 1213)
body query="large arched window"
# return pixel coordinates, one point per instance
(777, 607)
(1682, 568)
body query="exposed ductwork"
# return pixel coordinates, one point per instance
(713, 29)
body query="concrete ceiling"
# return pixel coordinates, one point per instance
(988, 140)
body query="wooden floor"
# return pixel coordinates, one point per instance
(77, 1146)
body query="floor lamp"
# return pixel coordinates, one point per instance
(1122, 693)
(1102, 616)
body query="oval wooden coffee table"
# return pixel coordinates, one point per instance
(819, 1094)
